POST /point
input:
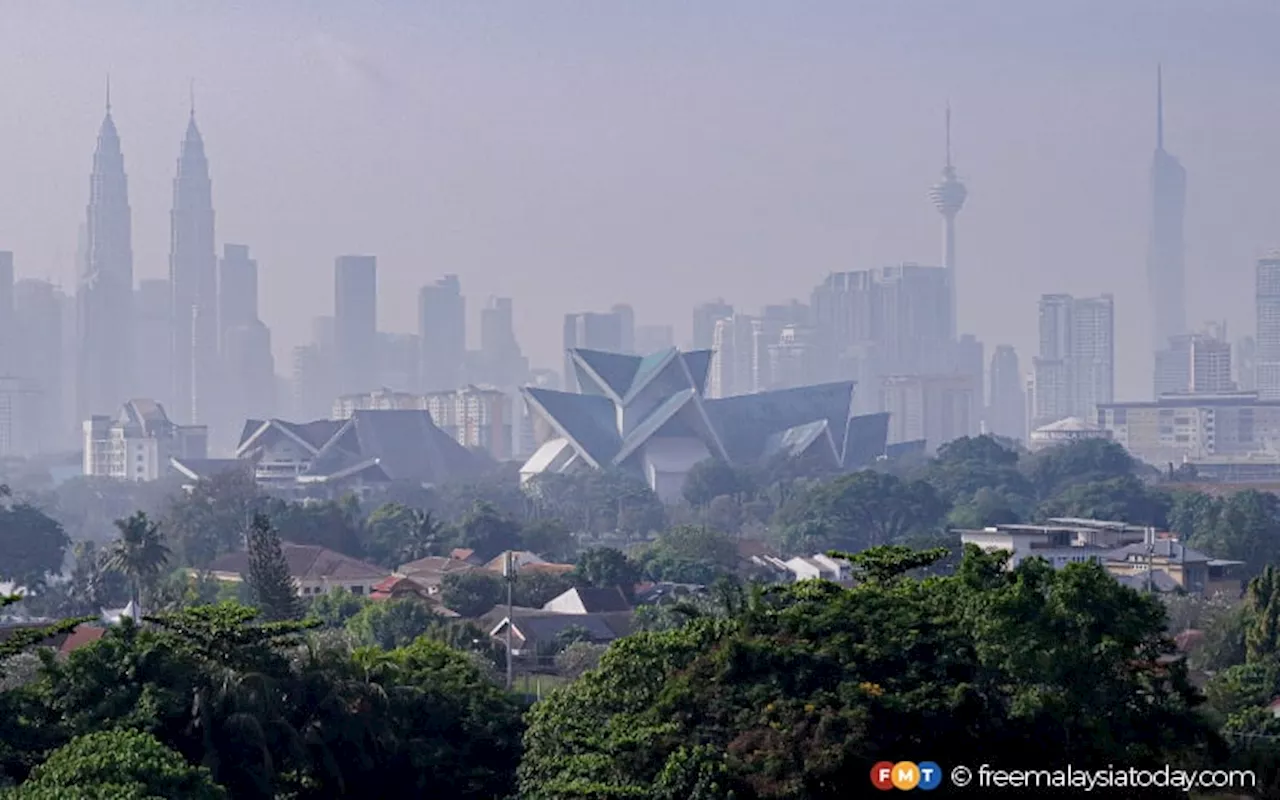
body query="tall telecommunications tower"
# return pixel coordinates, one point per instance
(948, 196)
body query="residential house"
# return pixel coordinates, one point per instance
(430, 572)
(1168, 565)
(316, 570)
(61, 643)
(589, 601)
(401, 587)
(821, 567)
(533, 631)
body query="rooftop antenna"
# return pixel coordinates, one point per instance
(948, 133)
(108, 92)
(191, 90)
(1159, 107)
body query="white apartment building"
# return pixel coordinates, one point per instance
(138, 443)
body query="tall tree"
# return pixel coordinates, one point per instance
(270, 583)
(139, 555)
(32, 545)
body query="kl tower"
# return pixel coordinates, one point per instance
(948, 196)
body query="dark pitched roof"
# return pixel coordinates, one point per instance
(397, 445)
(197, 468)
(865, 439)
(307, 562)
(543, 626)
(1165, 549)
(745, 422)
(590, 421)
(615, 369)
(601, 601)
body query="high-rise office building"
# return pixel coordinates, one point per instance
(737, 352)
(1244, 362)
(948, 196)
(590, 331)
(1007, 409)
(442, 331)
(1075, 371)
(399, 361)
(1198, 363)
(652, 338)
(1166, 281)
(705, 317)
(935, 408)
(193, 281)
(104, 294)
(355, 322)
(1267, 296)
(237, 287)
(153, 340)
(501, 362)
(38, 312)
(8, 343)
(627, 320)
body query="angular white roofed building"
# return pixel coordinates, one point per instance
(649, 415)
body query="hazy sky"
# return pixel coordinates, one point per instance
(577, 154)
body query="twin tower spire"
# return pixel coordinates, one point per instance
(107, 365)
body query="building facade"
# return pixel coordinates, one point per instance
(355, 322)
(1166, 281)
(1179, 428)
(935, 408)
(1007, 408)
(474, 416)
(104, 295)
(1267, 298)
(138, 443)
(1075, 369)
(193, 283)
(442, 334)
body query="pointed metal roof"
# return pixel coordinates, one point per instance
(615, 370)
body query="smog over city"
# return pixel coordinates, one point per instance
(306, 306)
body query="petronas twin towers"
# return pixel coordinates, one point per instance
(106, 358)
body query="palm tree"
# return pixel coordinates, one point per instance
(139, 555)
(424, 537)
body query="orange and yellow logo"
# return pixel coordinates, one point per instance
(906, 775)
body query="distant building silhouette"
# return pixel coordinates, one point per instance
(193, 281)
(153, 339)
(442, 334)
(1166, 281)
(704, 322)
(1075, 370)
(948, 196)
(39, 309)
(590, 331)
(355, 322)
(104, 294)
(1267, 296)
(1007, 408)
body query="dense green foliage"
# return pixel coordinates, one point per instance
(810, 683)
(737, 689)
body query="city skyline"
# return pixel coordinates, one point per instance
(843, 232)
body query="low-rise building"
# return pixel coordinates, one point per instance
(1178, 428)
(589, 601)
(1066, 431)
(371, 448)
(1142, 558)
(315, 570)
(1060, 541)
(139, 443)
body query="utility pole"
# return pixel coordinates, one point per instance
(509, 573)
